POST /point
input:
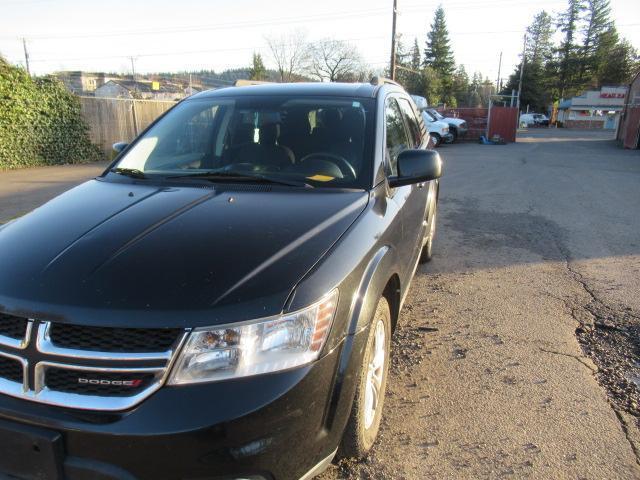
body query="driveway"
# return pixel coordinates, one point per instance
(515, 354)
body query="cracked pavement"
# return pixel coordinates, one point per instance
(517, 350)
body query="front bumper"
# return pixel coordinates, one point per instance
(276, 426)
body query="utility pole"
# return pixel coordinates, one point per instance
(499, 69)
(393, 41)
(524, 59)
(26, 55)
(133, 74)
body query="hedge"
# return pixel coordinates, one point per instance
(40, 122)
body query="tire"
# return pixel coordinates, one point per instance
(427, 245)
(363, 424)
(437, 139)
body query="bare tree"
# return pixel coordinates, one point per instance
(335, 60)
(290, 54)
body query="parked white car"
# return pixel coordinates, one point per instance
(533, 120)
(438, 130)
(457, 126)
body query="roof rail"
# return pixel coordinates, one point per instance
(379, 81)
(245, 83)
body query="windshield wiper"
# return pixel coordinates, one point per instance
(129, 172)
(230, 175)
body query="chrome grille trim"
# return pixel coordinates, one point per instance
(90, 402)
(18, 344)
(19, 389)
(46, 346)
(48, 355)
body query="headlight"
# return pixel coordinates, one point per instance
(445, 129)
(256, 347)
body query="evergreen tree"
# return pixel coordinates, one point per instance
(413, 82)
(597, 23)
(537, 75)
(460, 86)
(540, 39)
(415, 55)
(431, 86)
(258, 70)
(439, 56)
(568, 51)
(620, 60)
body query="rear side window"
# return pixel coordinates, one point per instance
(412, 122)
(397, 140)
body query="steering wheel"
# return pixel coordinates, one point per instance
(342, 163)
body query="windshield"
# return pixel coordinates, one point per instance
(436, 114)
(316, 141)
(428, 117)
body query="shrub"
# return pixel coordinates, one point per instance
(40, 122)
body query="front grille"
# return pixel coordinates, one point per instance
(85, 368)
(10, 369)
(97, 383)
(116, 340)
(12, 326)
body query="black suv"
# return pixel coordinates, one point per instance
(219, 303)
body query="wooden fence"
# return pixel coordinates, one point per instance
(114, 120)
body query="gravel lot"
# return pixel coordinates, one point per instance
(517, 351)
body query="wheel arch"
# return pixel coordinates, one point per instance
(380, 278)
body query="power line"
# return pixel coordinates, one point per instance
(189, 52)
(218, 26)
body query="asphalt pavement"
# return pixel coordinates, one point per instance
(23, 190)
(515, 356)
(536, 240)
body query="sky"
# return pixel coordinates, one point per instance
(189, 35)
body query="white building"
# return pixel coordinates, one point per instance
(594, 108)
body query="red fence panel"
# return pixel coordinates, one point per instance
(503, 122)
(476, 119)
(631, 133)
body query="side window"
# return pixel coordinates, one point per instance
(397, 140)
(412, 121)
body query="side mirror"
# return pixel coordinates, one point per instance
(416, 166)
(119, 146)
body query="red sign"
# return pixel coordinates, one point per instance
(612, 95)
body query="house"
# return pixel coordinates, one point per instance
(81, 83)
(629, 129)
(124, 89)
(146, 90)
(594, 108)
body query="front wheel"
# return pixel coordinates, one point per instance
(435, 139)
(427, 243)
(366, 412)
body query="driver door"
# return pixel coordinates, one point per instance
(396, 141)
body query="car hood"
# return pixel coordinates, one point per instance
(454, 121)
(124, 254)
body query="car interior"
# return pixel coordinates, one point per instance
(322, 141)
